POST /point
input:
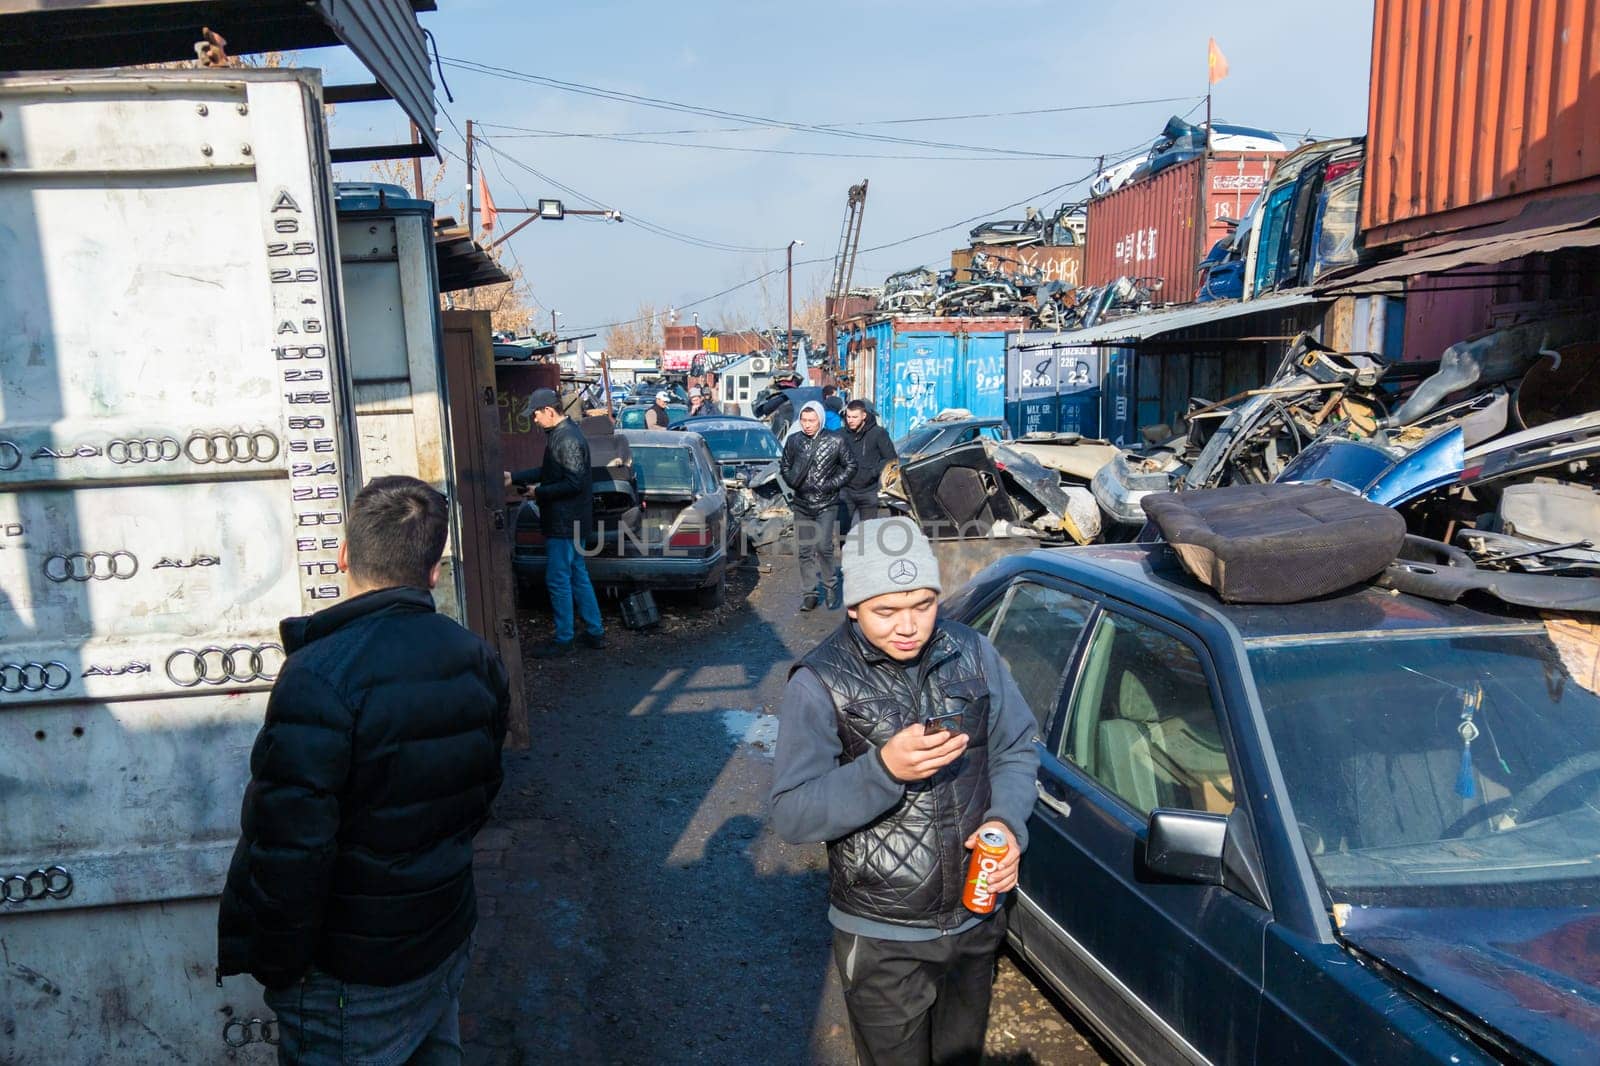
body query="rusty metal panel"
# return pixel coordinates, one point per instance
(1475, 107)
(176, 450)
(1148, 229)
(1064, 264)
(521, 442)
(479, 499)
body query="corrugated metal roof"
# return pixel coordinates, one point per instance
(1136, 327)
(384, 35)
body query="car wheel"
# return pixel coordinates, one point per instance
(713, 595)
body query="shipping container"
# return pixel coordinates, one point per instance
(927, 365)
(1149, 228)
(1052, 386)
(177, 447)
(1476, 108)
(1047, 262)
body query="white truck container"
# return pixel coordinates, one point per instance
(176, 452)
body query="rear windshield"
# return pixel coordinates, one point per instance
(663, 469)
(741, 443)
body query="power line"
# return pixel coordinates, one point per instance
(875, 248)
(809, 154)
(864, 122)
(718, 113)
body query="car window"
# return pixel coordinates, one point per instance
(968, 434)
(664, 469)
(1143, 722)
(1035, 632)
(995, 433)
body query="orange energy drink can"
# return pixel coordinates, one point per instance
(992, 847)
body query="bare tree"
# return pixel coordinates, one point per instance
(641, 338)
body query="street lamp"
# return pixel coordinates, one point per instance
(788, 333)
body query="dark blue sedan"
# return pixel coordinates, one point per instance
(1364, 829)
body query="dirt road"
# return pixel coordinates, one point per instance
(636, 906)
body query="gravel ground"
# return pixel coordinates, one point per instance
(636, 907)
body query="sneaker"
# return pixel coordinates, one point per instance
(809, 603)
(597, 641)
(552, 649)
(836, 598)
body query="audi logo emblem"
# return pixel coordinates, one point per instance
(52, 882)
(215, 665)
(33, 677)
(10, 455)
(236, 447)
(148, 450)
(250, 1031)
(91, 566)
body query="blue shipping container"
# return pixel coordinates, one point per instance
(1052, 387)
(925, 367)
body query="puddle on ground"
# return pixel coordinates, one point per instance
(760, 731)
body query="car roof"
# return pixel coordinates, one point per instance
(1134, 571)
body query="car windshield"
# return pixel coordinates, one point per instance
(1427, 768)
(740, 442)
(662, 469)
(917, 440)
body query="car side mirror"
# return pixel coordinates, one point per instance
(1186, 845)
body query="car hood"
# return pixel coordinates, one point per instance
(1531, 975)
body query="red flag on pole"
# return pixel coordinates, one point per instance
(1216, 63)
(489, 213)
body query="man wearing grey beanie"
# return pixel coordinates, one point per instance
(901, 737)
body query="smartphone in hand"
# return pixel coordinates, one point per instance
(949, 723)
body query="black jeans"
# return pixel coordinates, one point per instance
(921, 1002)
(860, 505)
(815, 537)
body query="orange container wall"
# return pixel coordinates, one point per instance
(1475, 107)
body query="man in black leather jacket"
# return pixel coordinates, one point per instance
(565, 495)
(900, 805)
(816, 465)
(350, 896)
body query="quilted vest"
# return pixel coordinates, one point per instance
(908, 866)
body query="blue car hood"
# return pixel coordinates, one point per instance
(1531, 975)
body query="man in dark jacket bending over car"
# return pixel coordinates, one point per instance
(350, 896)
(816, 465)
(565, 495)
(901, 736)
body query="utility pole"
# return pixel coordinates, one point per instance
(416, 163)
(471, 233)
(788, 333)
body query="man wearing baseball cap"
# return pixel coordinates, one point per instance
(901, 736)
(564, 491)
(658, 417)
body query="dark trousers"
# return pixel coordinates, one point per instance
(859, 505)
(922, 1002)
(815, 537)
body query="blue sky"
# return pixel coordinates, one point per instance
(1294, 68)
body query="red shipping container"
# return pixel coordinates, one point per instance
(1477, 107)
(1148, 229)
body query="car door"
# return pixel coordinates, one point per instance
(1173, 970)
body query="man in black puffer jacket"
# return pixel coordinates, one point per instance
(350, 896)
(816, 465)
(869, 443)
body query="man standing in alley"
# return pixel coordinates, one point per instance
(873, 450)
(901, 737)
(817, 465)
(350, 896)
(658, 417)
(564, 491)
